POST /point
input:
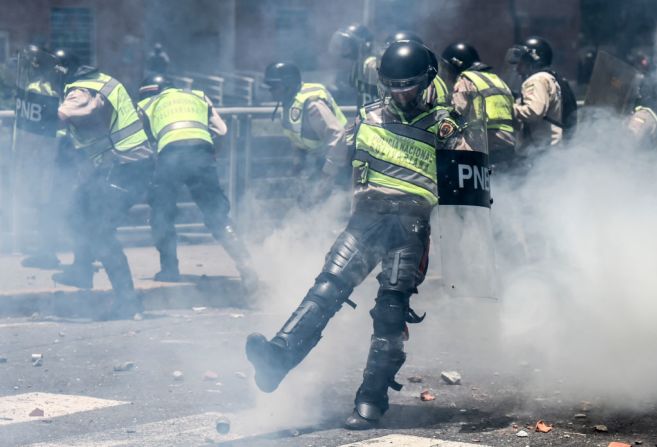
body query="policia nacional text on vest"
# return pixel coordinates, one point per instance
(182, 115)
(295, 125)
(126, 131)
(398, 155)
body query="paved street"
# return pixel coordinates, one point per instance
(167, 380)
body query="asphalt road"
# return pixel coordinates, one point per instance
(86, 401)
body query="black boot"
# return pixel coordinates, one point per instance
(273, 359)
(236, 249)
(385, 359)
(169, 271)
(77, 275)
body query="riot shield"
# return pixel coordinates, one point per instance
(34, 144)
(614, 84)
(464, 223)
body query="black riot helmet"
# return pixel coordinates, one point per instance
(67, 63)
(154, 85)
(354, 41)
(403, 35)
(535, 52)
(460, 56)
(283, 80)
(406, 69)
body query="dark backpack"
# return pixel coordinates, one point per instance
(568, 106)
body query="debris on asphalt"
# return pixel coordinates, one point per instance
(138, 317)
(199, 309)
(451, 377)
(36, 413)
(580, 416)
(585, 406)
(638, 442)
(542, 427)
(125, 366)
(62, 334)
(222, 425)
(178, 375)
(618, 444)
(415, 379)
(240, 374)
(601, 428)
(236, 315)
(3, 359)
(35, 316)
(37, 360)
(427, 396)
(210, 375)
(522, 434)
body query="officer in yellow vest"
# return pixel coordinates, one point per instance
(311, 120)
(394, 158)
(642, 124)
(470, 78)
(106, 131)
(181, 124)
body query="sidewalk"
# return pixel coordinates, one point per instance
(209, 278)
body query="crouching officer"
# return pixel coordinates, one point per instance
(394, 157)
(313, 122)
(180, 123)
(115, 173)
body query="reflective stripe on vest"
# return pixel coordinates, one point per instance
(293, 116)
(126, 130)
(441, 91)
(177, 115)
(397, 155)
(498, 99)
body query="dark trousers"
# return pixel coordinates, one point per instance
(194, 166)
(100, 203)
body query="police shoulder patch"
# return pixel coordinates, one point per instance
(295, 113)
(446, 129)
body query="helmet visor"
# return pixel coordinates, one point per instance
(402, 84)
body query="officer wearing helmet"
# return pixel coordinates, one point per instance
(356, 43)
(471, 79)
(393, 154)
(115, 170)
(546, 109)
(643, 122)
(181, 124)
(312, 121)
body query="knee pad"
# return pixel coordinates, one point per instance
(346, 260)
(403, 269)
(389, 313)
(329, 292)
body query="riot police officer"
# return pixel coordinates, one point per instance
(312, 121)
(546, 109)
(462, 68)
(106, 131)
(394, 158)
(356, 43)
(182, 124)
(643, 122)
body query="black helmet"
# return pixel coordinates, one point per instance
(67, 62)
(351, 41)
(403, 35)
(153, 85)
(406, 66)
(460, 56)
(283, 79)
(536, 51)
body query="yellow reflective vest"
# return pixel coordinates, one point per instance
(398, 155)
(294, 127)
(497, 97)
(177, 115)
(126, 129)
(441, 93)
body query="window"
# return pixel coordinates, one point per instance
(73, 30)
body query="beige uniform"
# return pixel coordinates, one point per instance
(497, 139)
(541, 97)
(643, 127)
(326, 127)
